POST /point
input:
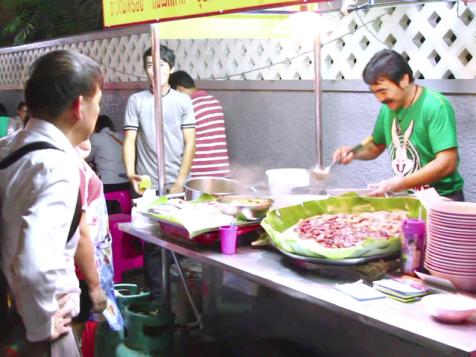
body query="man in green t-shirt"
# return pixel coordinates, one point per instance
(4, 121)
(416, 125)
(4, 125)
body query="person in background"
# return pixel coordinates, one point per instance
(94, 264)
(4, 121)
(106, 155)
(140, 145)
(211, 152)
(416, 125)
(140, 154)
(41, 207)
(18, 122)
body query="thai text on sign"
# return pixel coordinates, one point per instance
(123, 12)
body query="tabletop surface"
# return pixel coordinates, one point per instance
(267, 267)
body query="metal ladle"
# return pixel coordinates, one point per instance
(322, 174)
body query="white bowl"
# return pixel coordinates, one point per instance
(449, 307)
(464, 282)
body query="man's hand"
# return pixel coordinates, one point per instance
(394, 184)
(61, 320)
(343, 155)
(135, 181)
(98, 299)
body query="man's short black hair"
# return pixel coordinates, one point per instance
(166, 54)
(103, 122)
(387, 64)
(21, 105)
(181, 78)
(57, 79)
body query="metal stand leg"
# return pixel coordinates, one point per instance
(165, 280)
(198, 317)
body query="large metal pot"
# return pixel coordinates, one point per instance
(217, 186)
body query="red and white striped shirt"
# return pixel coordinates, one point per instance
(211, 153)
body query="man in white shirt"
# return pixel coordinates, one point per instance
(38, 196)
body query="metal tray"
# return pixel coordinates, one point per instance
(340, 262)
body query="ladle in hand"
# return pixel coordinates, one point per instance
(322, 174)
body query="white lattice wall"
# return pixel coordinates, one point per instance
(438, 38)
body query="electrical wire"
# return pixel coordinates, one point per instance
(288, 60)
(368, 30)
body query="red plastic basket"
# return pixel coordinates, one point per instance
(206, 238)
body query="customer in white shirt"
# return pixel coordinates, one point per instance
(106, 154)
(38, 196)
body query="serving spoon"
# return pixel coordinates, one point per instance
(321, 174)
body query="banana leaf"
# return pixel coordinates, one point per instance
(277, 222)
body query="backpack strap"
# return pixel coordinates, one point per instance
(19, 153)
(76, 218)
(41, 145)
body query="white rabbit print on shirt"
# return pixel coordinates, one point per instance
(405, 159)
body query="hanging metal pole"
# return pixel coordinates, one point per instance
(317, 93)
(159, 125)
(159, 122)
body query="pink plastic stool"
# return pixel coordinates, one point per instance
(127, 250)
(124, 199)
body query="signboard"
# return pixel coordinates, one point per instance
(124, 12)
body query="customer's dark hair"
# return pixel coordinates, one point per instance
(166, 54)
(3, 110)
(57, 79)
(21, 105)
(387, 64)
(103, 122)
(181, 78)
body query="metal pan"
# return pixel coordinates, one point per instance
(341, 262)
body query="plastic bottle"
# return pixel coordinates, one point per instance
(413, 245)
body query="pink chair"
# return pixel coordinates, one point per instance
(123, 197)
(127, 250)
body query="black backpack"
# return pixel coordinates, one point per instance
(6, 162)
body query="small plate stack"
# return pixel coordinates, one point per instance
(451, 243)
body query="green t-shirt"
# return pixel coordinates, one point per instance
(420, 132)
(4, 123)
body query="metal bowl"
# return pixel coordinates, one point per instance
(217, 186)
(242, 206)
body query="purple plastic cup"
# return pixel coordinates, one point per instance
(228, 239)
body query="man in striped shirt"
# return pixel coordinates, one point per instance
(211, 153)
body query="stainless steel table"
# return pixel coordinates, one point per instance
(406, 321)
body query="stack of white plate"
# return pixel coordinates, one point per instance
(451, 243)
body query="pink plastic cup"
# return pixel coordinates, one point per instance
(228, 239)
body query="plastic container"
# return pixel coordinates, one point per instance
(413, 245)
(228, 236)
(282, 181)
